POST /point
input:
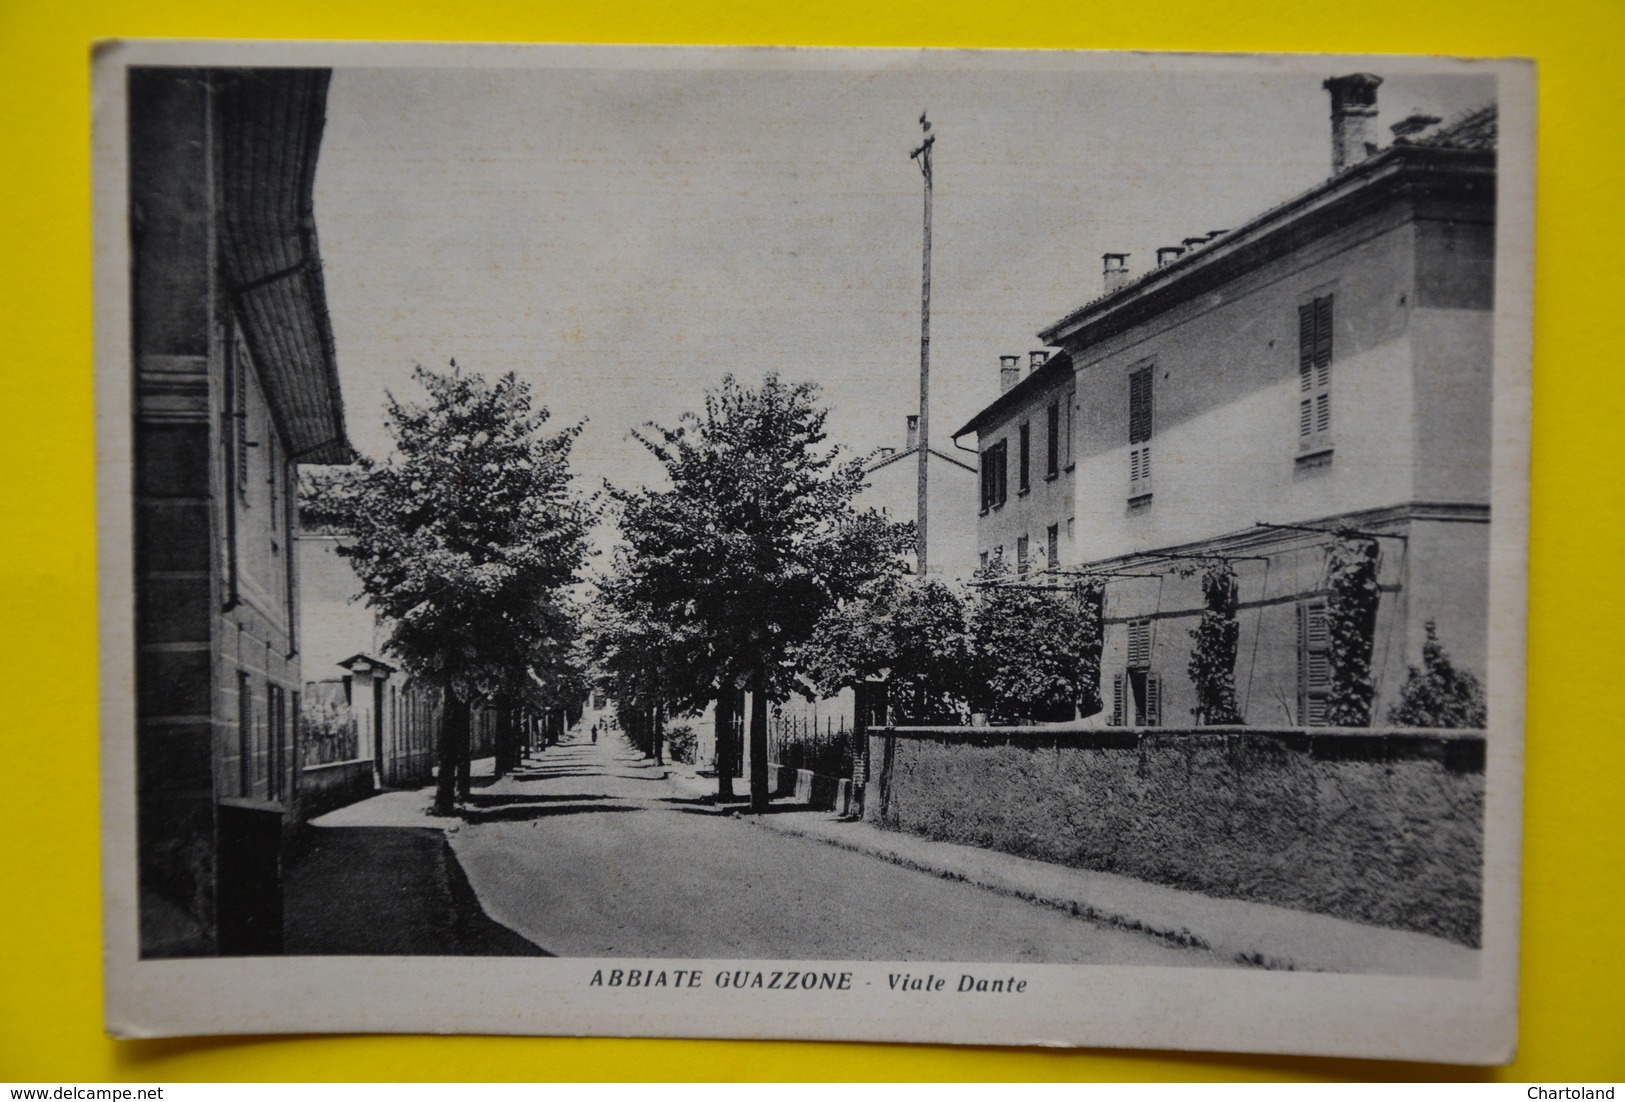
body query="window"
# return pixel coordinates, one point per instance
(1139, 644)
(1139, 432)
(245, 736)
(1314, 663)
(273, 480)
(1145, 689)
(1052, 449)
(1024, 483)
(1315, 375)
(994, 472)
(1053, 550)
(1021, 554)
(276, 724)
(239, 413)
(1066, 424)
(1137, 685)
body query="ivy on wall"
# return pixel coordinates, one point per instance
(1212, 666)
(1351, 613)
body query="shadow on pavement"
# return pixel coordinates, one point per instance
(505, 800)
(519, 813)
(387, 891)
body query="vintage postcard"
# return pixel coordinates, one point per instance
(940, 546)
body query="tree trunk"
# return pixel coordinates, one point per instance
(758, 747)
(465, 739)
(445, 789)
(724, 730)
(504, 742)
(659, 733)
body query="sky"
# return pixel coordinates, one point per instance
(623, 237)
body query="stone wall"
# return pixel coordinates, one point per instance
(1382, 827)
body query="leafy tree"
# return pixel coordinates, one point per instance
(650, 664)
(464, 540)
(754, 539)
(1438, 694)
(1037, 651)
(914, 634)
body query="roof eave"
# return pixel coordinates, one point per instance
(1382, 167)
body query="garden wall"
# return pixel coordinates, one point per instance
(324, 788)
(1383, 827)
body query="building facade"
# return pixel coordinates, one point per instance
(1276, 402)
(235, 384)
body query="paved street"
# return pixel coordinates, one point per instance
(591, 850)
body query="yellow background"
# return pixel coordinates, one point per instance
(1572, 1024)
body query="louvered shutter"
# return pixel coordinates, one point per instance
(1314, 663)
(1153, 700)
(1139, 432)
(1139, 644)
(1052, 448)
(1117, 700)
(1315, 331)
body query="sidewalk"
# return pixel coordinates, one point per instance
(1250, 933)
(378, 878)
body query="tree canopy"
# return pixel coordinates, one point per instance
(753, 539)
(467, 536)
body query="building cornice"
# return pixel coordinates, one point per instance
(1440, 181)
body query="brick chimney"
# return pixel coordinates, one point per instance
(1114, 272)
(1009, 372)
(1036, 360)
(1169, 253)
(913, 432)
(1354, 118)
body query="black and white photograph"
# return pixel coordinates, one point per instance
(959, 546)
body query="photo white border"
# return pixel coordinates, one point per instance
(1459, 1021)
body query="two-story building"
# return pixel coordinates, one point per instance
(1325, 367)
(235, 384)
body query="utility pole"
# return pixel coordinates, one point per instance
(922, 154)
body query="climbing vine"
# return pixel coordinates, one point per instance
(1089, 598)
(1351, 615)
(1212, 666)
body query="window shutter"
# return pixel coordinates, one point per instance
(1071, 400)
(1139, 406)
(1314, 663)
(1153, 700)
(1315, 331)
(1117, 700)
(1323, 341)
(1053, 550)
(239, 401)
(1021, 554)
(1139, 644)
(1052, 451)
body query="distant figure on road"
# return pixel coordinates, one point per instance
(595, 732)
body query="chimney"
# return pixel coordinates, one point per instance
(1192, 242)
(1115, 271)
(1354, 118)
(1009, 372)
(1036, 360)
(913, 432)
(1168, 254)
(1413, 124)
